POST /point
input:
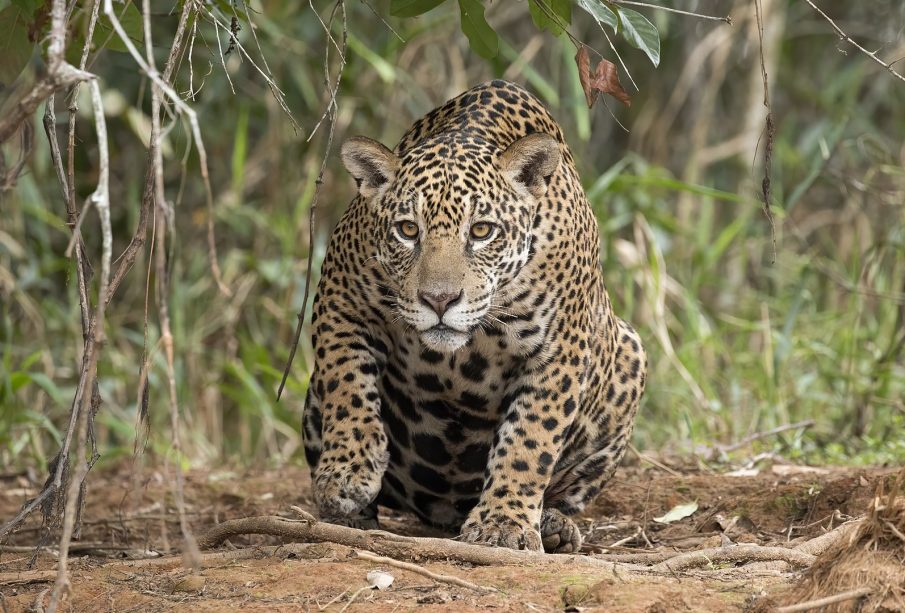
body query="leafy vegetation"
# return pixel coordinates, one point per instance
(738, 344)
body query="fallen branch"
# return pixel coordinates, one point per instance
(738, 553)
(818, 545)
(27, 576)
(823, 602)
(308, 529)
(813, 547)
(808, 423)
(205, 558)
(366, 555)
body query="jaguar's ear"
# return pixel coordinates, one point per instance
(529, 162)
(371, 164)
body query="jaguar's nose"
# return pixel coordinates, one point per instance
(440, 301)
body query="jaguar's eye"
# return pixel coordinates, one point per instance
(481, 230)
(407, 229)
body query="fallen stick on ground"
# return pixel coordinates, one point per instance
(308, 529)
(207, 558)
(366, 555)
(737, 553)
(813, 547)
(823, 602)
(27, 576)
(818, 545)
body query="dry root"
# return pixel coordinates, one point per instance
(308, 529)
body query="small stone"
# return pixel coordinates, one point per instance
(191, 584)
(380, 579)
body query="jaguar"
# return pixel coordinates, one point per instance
(468, 363)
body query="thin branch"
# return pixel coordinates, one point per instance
(871, 54)
(825, 602)
(127, 258)
(101, 200)
(669, 9)
(808, 423)
(384, 21)
(60, 75)
(222, 58)
(192, 117)
(48, 499)
(771, 132)
(414, 568)
(278, 94)
(331, 113)
(8, 177)
(738, 553)
(162, 276)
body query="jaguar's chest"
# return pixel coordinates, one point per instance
(450, 393)
(440, 413)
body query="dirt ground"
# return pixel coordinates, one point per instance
(124, 559)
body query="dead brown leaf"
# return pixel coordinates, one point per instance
(604, 80)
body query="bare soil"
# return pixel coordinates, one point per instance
(125, 558)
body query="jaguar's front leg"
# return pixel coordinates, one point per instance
(344, 400)
(527, 445)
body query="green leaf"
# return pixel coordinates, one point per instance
(600, 12)
(385, 70)
(412, 8)
(47, 384)
(15, 48)
(481, 36)
(541, 14)
(106, 36)
(640, 33)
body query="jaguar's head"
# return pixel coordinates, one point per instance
(454, 218)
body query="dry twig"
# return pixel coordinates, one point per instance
(738, 553)
(101, 200)
(308, 529)
(27, 576)
(766, 188)
(330, 113)
(60, 75)
(189, 113)
(367, 555)
(55, 80)
(751, 438)
(824, 602)
(871, 54)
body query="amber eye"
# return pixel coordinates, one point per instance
(481, 230)
(408, 229)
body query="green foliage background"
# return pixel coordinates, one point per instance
(737, 344)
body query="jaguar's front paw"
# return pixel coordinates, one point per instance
(559, 533)
(501, 531)
(343, 495)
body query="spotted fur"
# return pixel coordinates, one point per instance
(482, 382)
